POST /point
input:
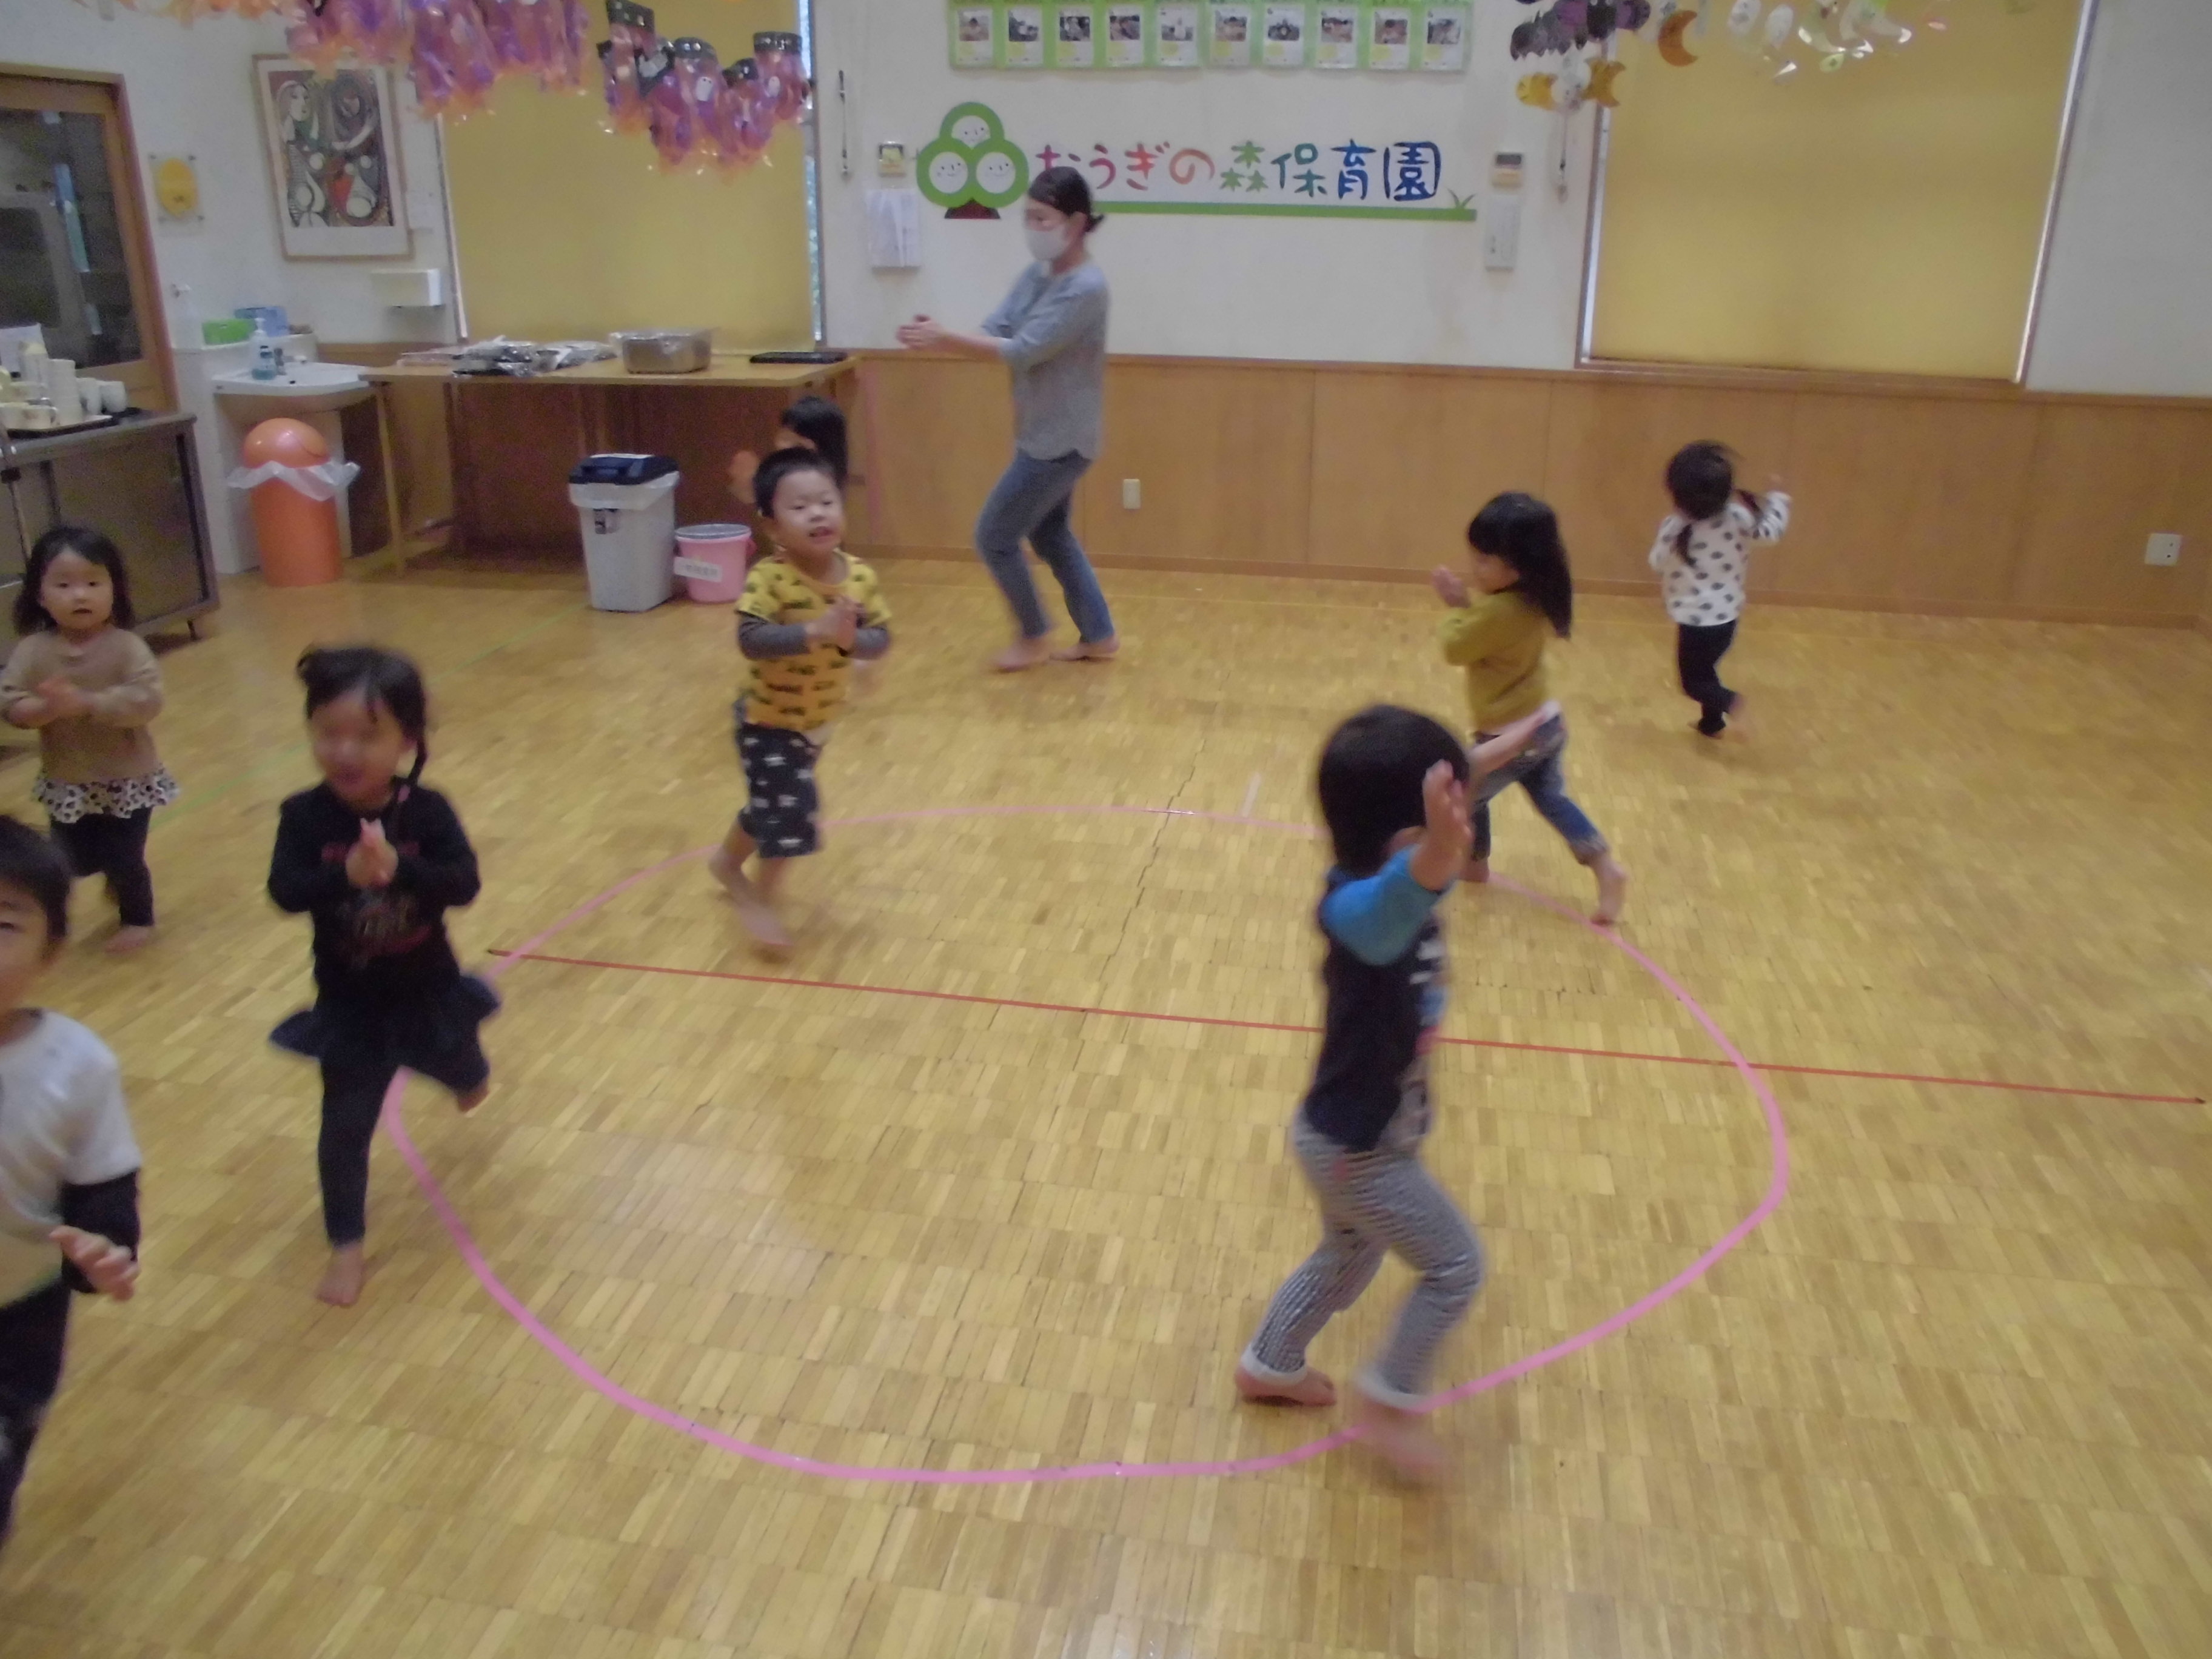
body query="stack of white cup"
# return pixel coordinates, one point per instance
(61, 391)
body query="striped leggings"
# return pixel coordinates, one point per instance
(1372, 1203)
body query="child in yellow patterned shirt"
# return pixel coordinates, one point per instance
(810, 610)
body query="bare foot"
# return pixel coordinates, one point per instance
(1023, 654)
(474, 1098)
(125, 940)
(1089, 651)
(1740, 725)
(1314, 1388)
(754, 914)
(1477, 871)
(343, 1278)
(1611, 890)
(1403, 1440)
(728, 872)
(758, 918)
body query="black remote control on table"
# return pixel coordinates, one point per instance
(799, 357)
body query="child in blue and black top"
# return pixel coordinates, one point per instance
(1394, 793)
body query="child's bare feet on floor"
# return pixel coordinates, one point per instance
(1314, 1388)
(1023, 654)
(1089, 651)
(754, 914)
(125, 940)
(1404, 1440)
(472, 1099)
(1611, 890)
(343, 1278)
(1477, 871)
(1740, 724)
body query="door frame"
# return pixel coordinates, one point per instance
(152, 376)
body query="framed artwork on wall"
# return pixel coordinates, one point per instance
(333, 159)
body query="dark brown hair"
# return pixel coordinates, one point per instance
(88, 544)
(1066, 191)
(383, 679)
(1525, 533)
(1702, 480)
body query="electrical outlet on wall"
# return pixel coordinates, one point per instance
(2164, 548)
(1133, 493)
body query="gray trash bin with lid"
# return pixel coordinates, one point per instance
(626, 506)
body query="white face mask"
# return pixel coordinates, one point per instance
(1047, 244)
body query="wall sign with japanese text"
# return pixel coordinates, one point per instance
(1187, 34)
(973, 168)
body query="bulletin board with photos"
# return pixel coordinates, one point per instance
(1222, 34)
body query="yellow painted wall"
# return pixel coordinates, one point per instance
(1885, 217)
(565, 231)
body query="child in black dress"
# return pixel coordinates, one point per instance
(376, 859)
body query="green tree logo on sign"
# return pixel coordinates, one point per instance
(970, 169)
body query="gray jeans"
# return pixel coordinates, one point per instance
(1372, 1203)
(1031, 503)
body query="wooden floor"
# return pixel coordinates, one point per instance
(1949, 1401)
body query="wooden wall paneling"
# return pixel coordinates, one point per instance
(1607, 452)
(1400, 462)
(702, 427)
(513, 455)
(947, 430)
(1902, 499)
(422, 436)
(2106, 478)
(1224, 457)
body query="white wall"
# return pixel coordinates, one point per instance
(2122, 308)
(1335, 289)
(192, 92)
(2124, 305)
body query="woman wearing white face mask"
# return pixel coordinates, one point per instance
(1051, 331)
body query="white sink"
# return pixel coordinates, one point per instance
(308, 387)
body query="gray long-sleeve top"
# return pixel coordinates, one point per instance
(1051, 331)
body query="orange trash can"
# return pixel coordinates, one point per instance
(297, 534)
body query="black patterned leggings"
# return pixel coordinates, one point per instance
(97, 845)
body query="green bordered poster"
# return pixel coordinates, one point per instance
(1023, 45)
(1072, 34)
(1175, 34)
(1230, 28)
(1123, 42)
(1387, 38)
(1336, 34)
(1444, 37)
(1289, 34)
(1286, 33)
(975, 37)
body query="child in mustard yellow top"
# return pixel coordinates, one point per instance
(1523, 595)
(809, 611)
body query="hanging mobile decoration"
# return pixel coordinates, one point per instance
(697, 111)
(1578, 32)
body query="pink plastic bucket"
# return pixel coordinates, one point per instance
(712, 558)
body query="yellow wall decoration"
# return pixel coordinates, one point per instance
(564, 231)
(1885, 218)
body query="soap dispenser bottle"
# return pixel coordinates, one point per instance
(268, 355)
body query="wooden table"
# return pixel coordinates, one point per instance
(512, 442)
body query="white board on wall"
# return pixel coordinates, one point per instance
(1372, 270)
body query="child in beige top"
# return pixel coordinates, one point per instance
(90, 686)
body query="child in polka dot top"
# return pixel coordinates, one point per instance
(1700, 556)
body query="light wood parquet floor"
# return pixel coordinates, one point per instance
(1949, 1403)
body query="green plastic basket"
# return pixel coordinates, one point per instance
(226, 330)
